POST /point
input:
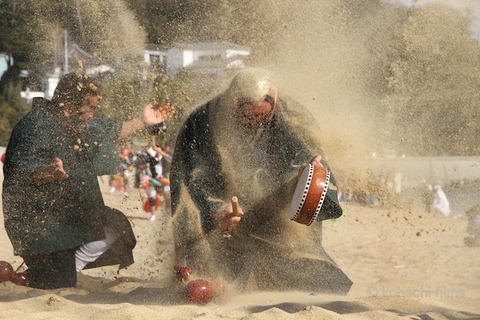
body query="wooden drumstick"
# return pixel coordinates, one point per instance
(234, 201)
(235, 206)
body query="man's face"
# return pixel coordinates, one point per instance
(77, 119)
(255, 114)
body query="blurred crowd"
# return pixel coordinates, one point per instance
(148, 170)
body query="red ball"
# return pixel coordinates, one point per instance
(20, 279)
(182, 272)
(6, 271)
(199, 291)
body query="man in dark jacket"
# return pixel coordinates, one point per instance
(54, 212)
(250, 143)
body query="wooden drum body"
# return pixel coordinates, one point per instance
(309, 194)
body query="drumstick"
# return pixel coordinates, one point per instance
(235, 206)
(234, 201)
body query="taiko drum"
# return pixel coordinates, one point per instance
(309, 194)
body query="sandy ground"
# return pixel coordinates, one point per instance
(404, 264)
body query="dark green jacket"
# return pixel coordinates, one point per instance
(58, 215)
(198, 165)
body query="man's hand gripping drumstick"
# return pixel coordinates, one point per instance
(228, 217)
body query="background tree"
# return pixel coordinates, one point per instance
(433, 102)
(19, 32)
(12, 106)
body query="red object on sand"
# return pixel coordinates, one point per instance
(6, 271)
(182, 272)
(20, 279)
(199, 291)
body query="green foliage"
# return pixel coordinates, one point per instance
(12, 106)
(243, 22)
(19, 34)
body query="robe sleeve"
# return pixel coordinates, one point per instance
(302, 138)
(29, 148)
(195, 169)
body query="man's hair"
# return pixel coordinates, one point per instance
(73, 88)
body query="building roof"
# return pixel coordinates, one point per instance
(156, 47)
(217, 64)
(210, 46)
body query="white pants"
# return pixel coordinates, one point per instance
(89, 252)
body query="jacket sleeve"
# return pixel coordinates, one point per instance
(302, 139)
(195, 170)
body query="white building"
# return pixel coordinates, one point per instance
(29, 95)
(156, 57)
(51, 83)
(203, 57)
(6, 61)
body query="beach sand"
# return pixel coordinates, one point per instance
(404, 263)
